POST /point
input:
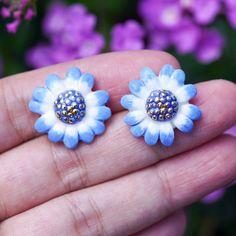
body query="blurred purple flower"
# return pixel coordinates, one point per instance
(29, 14)
(13, 26)
(187, 4)
(204, 11)
(127, 36)
(230, 12)
(159, 40)
(230, 4)
(184, 25)
(210, 46)
(186, 36)
(67, 40)
(214, 196)
(231, 131)
(231, 16)
(16, 11)
(5, 12)
(165, 14)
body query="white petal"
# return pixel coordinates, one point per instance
(185, 93)
(55, 84)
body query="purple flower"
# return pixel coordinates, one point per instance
(230, 12)
(186, 36)
(40, 56)
(214, 196)
(13, 26)
(16, 10)
(187, 4)
(210, 46)
(159, 39)
(91, 46)
(231, 131)
(204, 11)
(127, 36)
(230, 4)
(165, 14)
(29, 14)
(5, 12)
(70, 30)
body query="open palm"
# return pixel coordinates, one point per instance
(117, 185)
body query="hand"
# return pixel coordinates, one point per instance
(117, 185)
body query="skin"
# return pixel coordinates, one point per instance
(117, 185)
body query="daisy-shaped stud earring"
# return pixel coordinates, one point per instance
(70, 111)
(159, 103)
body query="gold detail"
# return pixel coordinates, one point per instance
(167, 116)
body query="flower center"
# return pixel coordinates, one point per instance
(70, 107)
(162, 105)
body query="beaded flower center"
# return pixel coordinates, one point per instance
(161, 105)
(70, 107)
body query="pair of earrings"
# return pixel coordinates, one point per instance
(71, 112)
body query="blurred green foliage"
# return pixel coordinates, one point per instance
(218, 219)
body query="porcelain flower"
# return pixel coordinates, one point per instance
(159, 103)
(70, 111)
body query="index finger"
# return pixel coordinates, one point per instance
(112, 72)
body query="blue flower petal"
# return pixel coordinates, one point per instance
(73, 73)
(52, 80)
(192, 111)
(87, 136)
(41, 125)
(186, 92)
(151, 137)
(129, 101)
(55, 135)
(136, 86)
(88, 79)
(35, 107)
(179, 76)
(98, 127)
(167, 70)
(71, 139)
(138, 130)
(167, 135)
(101, 96)
(134, 117)
(183, 123)
(103, 113)
(147, 74)
(39, 94)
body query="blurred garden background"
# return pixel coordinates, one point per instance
(200, 33)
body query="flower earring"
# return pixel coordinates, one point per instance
(158, 104)
(70, 111)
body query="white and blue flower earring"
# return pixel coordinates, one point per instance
(70, 111)
(158, 104)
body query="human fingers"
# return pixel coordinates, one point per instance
(134, 202)
(173, 225)
(51, 170)
(112, 72)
